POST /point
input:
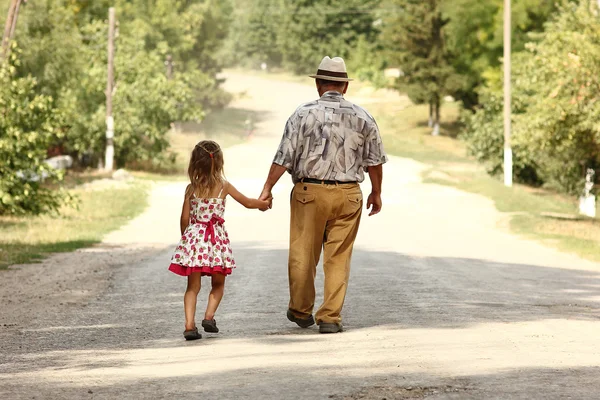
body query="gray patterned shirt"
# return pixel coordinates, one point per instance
(330, 139)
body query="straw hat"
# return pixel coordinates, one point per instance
(332, 69)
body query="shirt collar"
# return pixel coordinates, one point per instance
(332, 95)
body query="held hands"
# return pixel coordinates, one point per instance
(267, 197)
(374, 200)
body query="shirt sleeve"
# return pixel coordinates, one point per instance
(373, 149)
(287, 148)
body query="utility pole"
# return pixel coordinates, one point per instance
(8, 26)
(110, 123)
(508, 162)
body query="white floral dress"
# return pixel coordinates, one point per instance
(204, 246)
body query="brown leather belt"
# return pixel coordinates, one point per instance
(325, 181)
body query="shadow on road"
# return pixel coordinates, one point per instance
(143, 306)
(141, 314)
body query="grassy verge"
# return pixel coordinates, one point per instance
(537, 214)
(24, 240)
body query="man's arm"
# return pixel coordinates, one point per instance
(376, 177)
(373, 159)
(275, 174)
(284, 159)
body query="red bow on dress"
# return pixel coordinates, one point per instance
(210, 228)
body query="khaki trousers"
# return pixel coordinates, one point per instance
(322, 217)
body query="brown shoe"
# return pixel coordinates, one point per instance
(301, 322)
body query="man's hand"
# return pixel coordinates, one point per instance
(274, 174)
(266, 196)
(374, 200)
(376, 176)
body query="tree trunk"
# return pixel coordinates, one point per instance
(12, 8)
(436, 123)
(14, 22)
(430, 123)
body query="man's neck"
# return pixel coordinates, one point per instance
(332, 93)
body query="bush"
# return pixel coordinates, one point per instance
(484, 135)
(27, 127)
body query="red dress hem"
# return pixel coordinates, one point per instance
(205, 270)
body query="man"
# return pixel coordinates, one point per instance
(326, 146)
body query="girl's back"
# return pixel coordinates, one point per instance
(202, 209)
(204, 246)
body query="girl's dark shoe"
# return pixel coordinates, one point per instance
(302, 322)
(330, 327)
(210, 325)
(192, 334)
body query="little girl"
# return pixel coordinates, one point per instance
(204, 245)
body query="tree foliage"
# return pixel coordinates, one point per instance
(65, 49)
(254, 33)
(298, 34)
(475, 38)
(62, 60)
(556, 127)
(316, 28)
(415, 41)
(27, 127)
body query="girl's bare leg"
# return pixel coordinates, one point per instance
(215, 296)
(190, 298)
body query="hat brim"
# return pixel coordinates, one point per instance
(331, 78)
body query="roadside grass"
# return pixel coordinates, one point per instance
(537, 214)
(30, 239)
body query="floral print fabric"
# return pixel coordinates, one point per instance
(204, 246)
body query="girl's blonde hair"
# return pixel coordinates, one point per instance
(206, 168)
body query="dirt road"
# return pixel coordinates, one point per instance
(442, 303)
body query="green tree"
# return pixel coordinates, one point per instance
(64, 48)
(53, 97)
(415, 41)
(475, 38)
(312, 29)
(254, 32)
(27, 127)
(556, 122)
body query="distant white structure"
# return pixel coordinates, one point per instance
(263, 66)
(587, 202)
(393, 73)
(57, 163)
(60, 162)
(122, 175)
